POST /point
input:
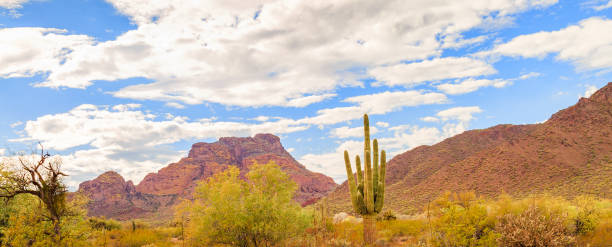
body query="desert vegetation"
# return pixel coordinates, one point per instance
(259, 211)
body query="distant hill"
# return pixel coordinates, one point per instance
(113, 197)
(568, 155)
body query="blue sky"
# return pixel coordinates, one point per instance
(130, 85)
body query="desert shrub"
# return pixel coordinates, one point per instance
(388, 215)
(398, 228)
(26, 226)
(462, 220)
(600, 236)
(534, 228)
(142, 237)
(587, 216)
(103, 224)
(257, 212)
(349, 232)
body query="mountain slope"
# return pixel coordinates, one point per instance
(111, 196)
(570, 154)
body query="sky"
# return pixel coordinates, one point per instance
(130, 85)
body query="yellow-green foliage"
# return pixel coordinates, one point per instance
(141, 237)
(24, 225)
(260, 212)
(398, 228)
(462, 219)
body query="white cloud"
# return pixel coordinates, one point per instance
(411, 74)
(590, 90)
(30, 51)
(294, 53)
(2, 151)
(461, 113)
(174, 105)
(382, 124)
(307, 100)
(471, 85)
(125, 107)
(262, 118)
(430, 119)
(379, 103)
(583, 44)
(405, 137)
(12, 4)
(15, 124)
(604, 6)
(347, 132)
(529, 75)
(128, 140)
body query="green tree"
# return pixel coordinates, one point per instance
(256, 212)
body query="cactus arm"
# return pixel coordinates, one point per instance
(369, 196)
(359, 172)
(351, 180)
(381, 183)
(375, 171)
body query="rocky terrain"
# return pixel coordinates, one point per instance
(111, 196)
(570, 154)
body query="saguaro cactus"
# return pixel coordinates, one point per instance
(368, 192)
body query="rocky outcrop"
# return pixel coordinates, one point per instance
(568, 155)
(111, 196)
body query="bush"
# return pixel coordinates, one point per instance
(260, 212)
(534, 228)
(462, 220)
(388, 215)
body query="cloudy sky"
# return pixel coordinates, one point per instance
(129, 85)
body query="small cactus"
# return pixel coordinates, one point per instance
(368, 192)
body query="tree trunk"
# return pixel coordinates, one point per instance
(57, 231)
(369, 229)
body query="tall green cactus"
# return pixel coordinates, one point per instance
(368, 192)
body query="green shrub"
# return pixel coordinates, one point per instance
(260, 212)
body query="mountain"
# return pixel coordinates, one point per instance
(568, 155)
(111, 196)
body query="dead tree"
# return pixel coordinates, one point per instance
(43, 180)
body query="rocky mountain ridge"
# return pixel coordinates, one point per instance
(112, 196)
(568, 155)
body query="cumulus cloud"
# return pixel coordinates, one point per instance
(379, 103)
(292, 53)
(603, 6)
(430, 119)
(347, 132)
(461, 113)
(471, 85)
(174, 105)
(12, 4)
(128, 140)
(590, 90)
(307, 100)
(410, 74)
(382, 124)
(405, 137)
(30, 51)
(583, 44)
